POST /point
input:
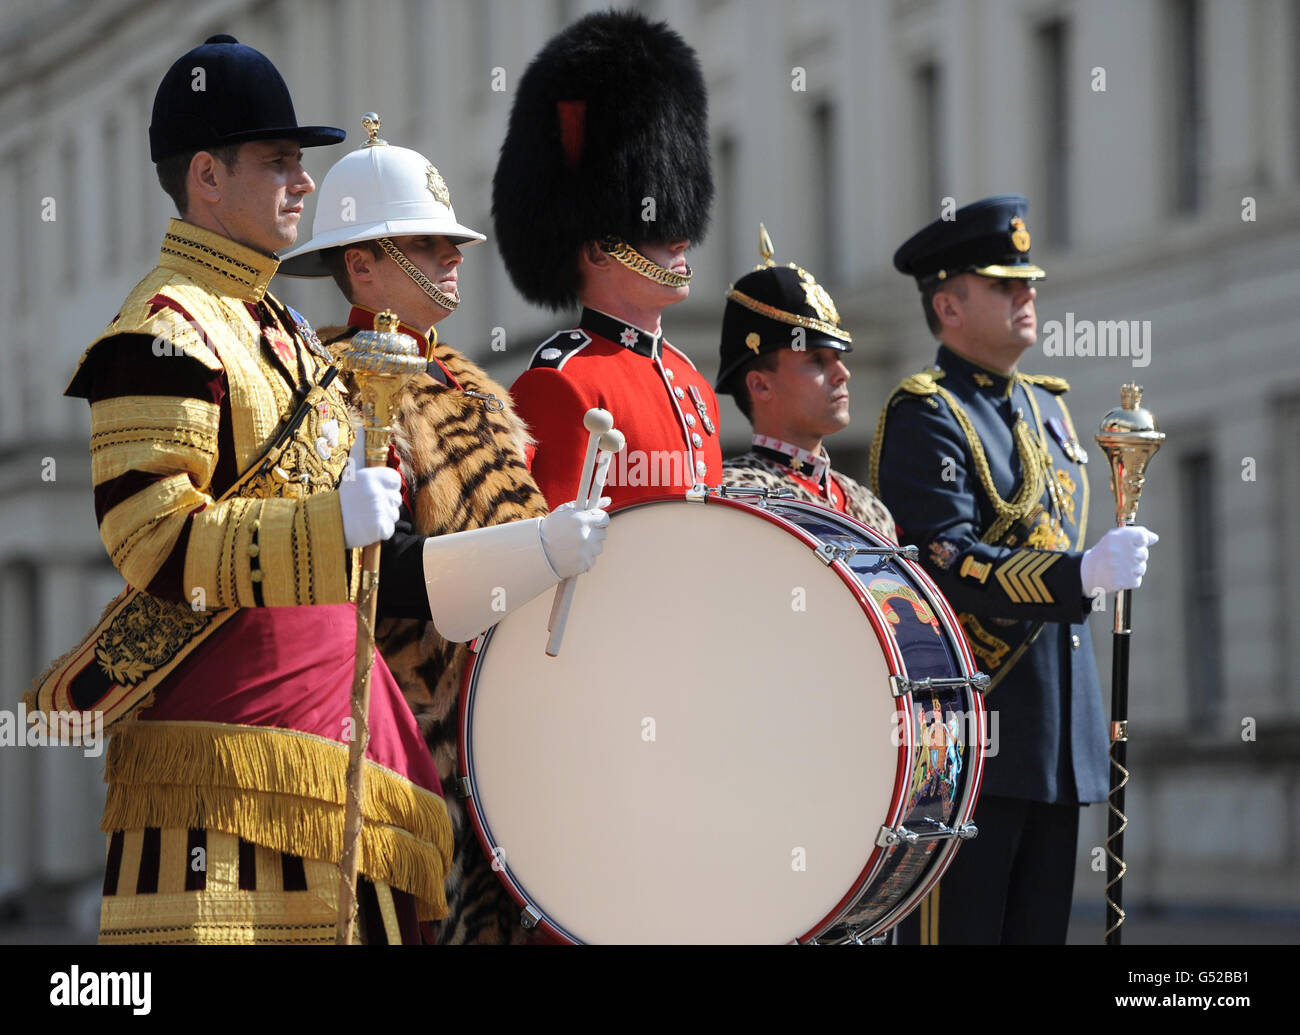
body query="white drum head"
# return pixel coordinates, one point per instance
(709, 759)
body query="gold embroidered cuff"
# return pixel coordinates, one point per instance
(140, 532)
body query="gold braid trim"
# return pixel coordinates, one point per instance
(416, 274)
(922, 384)
(281, 789)
(1031, 489)
(648, 268)
(781, 316)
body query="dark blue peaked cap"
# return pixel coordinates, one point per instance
(242, 97)
(988, 237)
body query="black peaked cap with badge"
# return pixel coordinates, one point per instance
(223, 92)
(988, 237)
(764, 308)
(611, 112)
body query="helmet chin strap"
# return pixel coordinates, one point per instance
(417, 275)
(648, 268)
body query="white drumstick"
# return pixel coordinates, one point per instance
(610, 443)
(597, 422)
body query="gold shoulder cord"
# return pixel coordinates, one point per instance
(1031, 489)
(1051, 467)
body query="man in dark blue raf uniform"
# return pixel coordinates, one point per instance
(982, 469)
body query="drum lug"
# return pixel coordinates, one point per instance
(889, 836)
(743, 491)
(697, 493)
(530, 917)
(829, 553)
(464, 787)
(894, 835)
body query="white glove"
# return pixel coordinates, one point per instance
(475, 578)
(1118, 561)
(371, 499)
(572, 538)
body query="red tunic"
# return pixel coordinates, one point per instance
(658, 400)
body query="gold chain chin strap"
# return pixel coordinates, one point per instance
(416, 274)
(648, 268)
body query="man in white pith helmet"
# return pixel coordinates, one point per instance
(385, 230)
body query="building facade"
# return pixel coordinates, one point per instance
(1158, 141)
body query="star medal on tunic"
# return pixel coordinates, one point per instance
(628, 337)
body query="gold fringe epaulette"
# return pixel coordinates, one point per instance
(924, 383)
(281, 789)
(1052, 384)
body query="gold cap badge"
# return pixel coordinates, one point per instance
(752, 341)
(438, 187)
(1019, 235)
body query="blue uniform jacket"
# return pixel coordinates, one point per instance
(982, 473)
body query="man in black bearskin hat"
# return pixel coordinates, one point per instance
(781, 352)
(602, 184)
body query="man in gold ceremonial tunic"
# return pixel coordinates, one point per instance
(219, 446)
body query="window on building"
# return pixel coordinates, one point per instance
(1286, 421)
(71, 262)
(725, 207)
(930, 158)
(1051, 45)
(1187, 92)
(1203, 651)
(111, 156)
(826, 216)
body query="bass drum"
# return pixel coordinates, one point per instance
(761, 728)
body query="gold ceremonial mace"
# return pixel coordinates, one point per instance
(1129, 437)
(382, 361)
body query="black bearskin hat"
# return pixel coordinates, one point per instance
(611, 112)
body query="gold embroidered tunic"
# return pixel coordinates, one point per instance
(226, 792)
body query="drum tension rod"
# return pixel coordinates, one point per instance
(901, 685)
(901, 835)
(828, 553)
(529, 917)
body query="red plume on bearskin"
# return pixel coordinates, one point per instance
(611, 111)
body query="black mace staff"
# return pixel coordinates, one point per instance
(1129, 437)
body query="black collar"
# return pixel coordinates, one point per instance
(620, 332)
